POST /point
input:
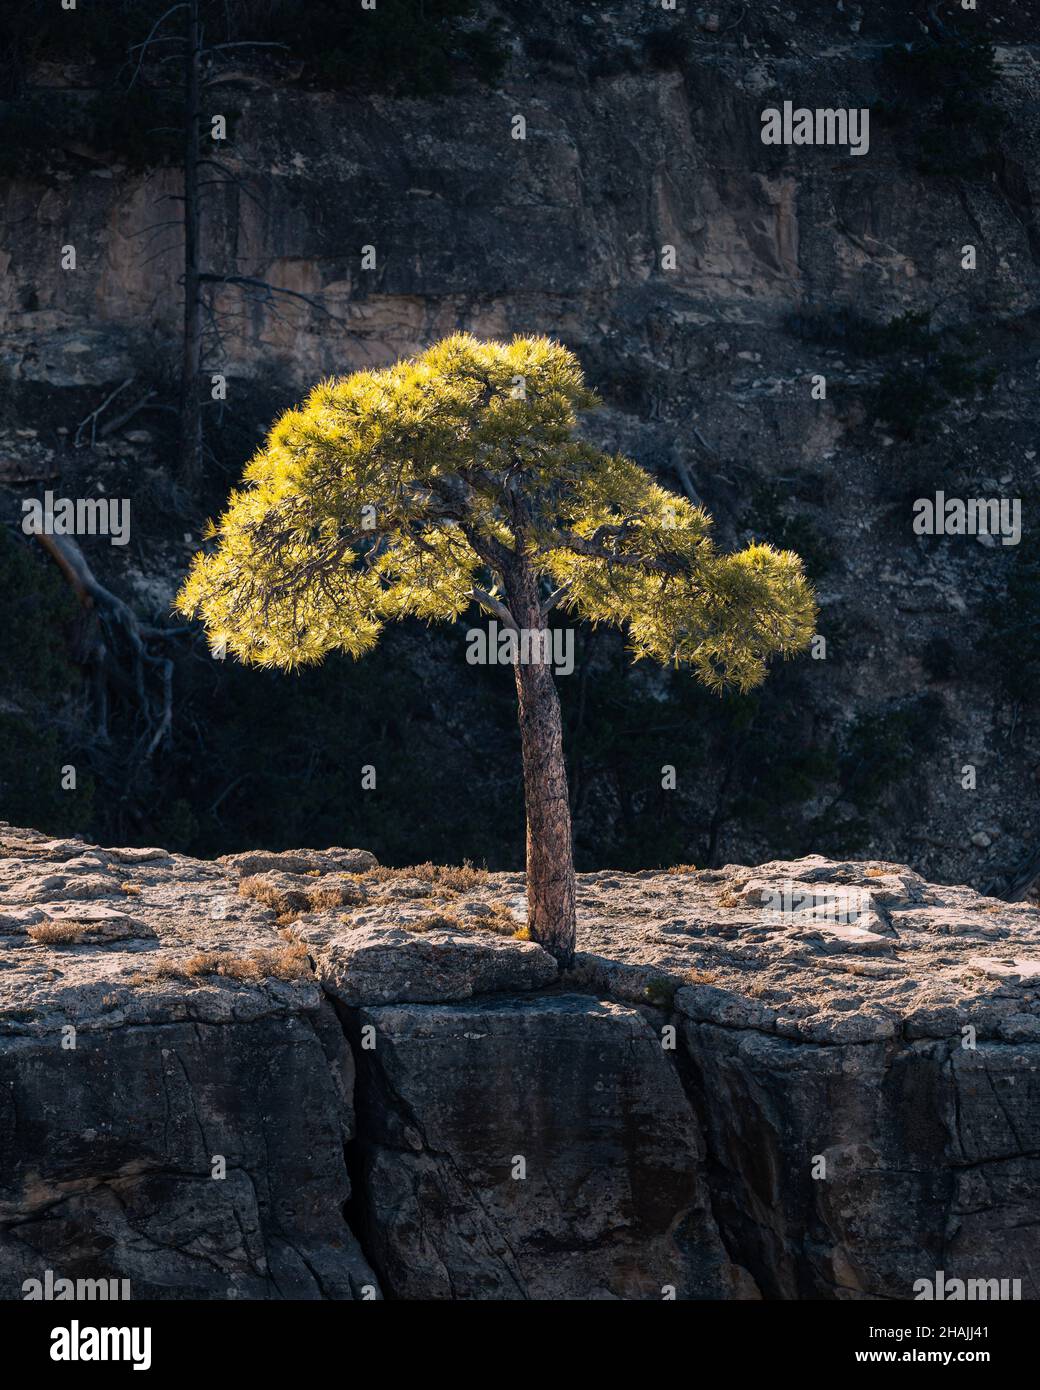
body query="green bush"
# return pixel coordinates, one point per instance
(883, 747)
(941, 100)
(905, 400)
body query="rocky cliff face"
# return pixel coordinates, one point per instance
(704, 279)
(305, 1076)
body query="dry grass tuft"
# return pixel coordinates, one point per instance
(272, 894)
(289, 962)
(290, 899)
(453, 878)
(728, 899)
(492, 917)
(502, 920)
(682, 869)
(56, 933)
(334, 894)
(437, 921)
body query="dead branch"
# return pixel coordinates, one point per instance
(127, 415)
(115, 618)
(151, 38)
(94, 415)
(253, 282)
(683, 474)
(702, 441)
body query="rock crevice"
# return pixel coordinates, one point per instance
(804, 1080)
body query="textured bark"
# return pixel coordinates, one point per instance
(550, 862)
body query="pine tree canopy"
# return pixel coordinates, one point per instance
(415, 489)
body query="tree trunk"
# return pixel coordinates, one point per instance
(550, 863)
(191, 359)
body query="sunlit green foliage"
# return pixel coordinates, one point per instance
(409, 491)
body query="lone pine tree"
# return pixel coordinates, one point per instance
(457, 477)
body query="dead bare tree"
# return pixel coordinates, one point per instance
(191, 358)
(126, 657)
(200, 73)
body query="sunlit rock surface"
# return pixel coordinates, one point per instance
(806, 1079)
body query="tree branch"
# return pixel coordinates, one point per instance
(243, 43)
(253, 282)
(683, 474)
(113, 425)
(494, 607)
(655, 564)
(114, 612)
(92, 418)
(144, 46)
(554, 598)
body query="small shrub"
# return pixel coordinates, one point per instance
(941, 97)
(544, 49)
(288, 900)
(493, 917)
(848, 330)
(56, 933)
(436, 921)
(221, 963)
(289, 962)
(960, 378)
(769, 519)
(460, 878)
(904, 401)
(1009, 644)
(454, 878)
(883, 748)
